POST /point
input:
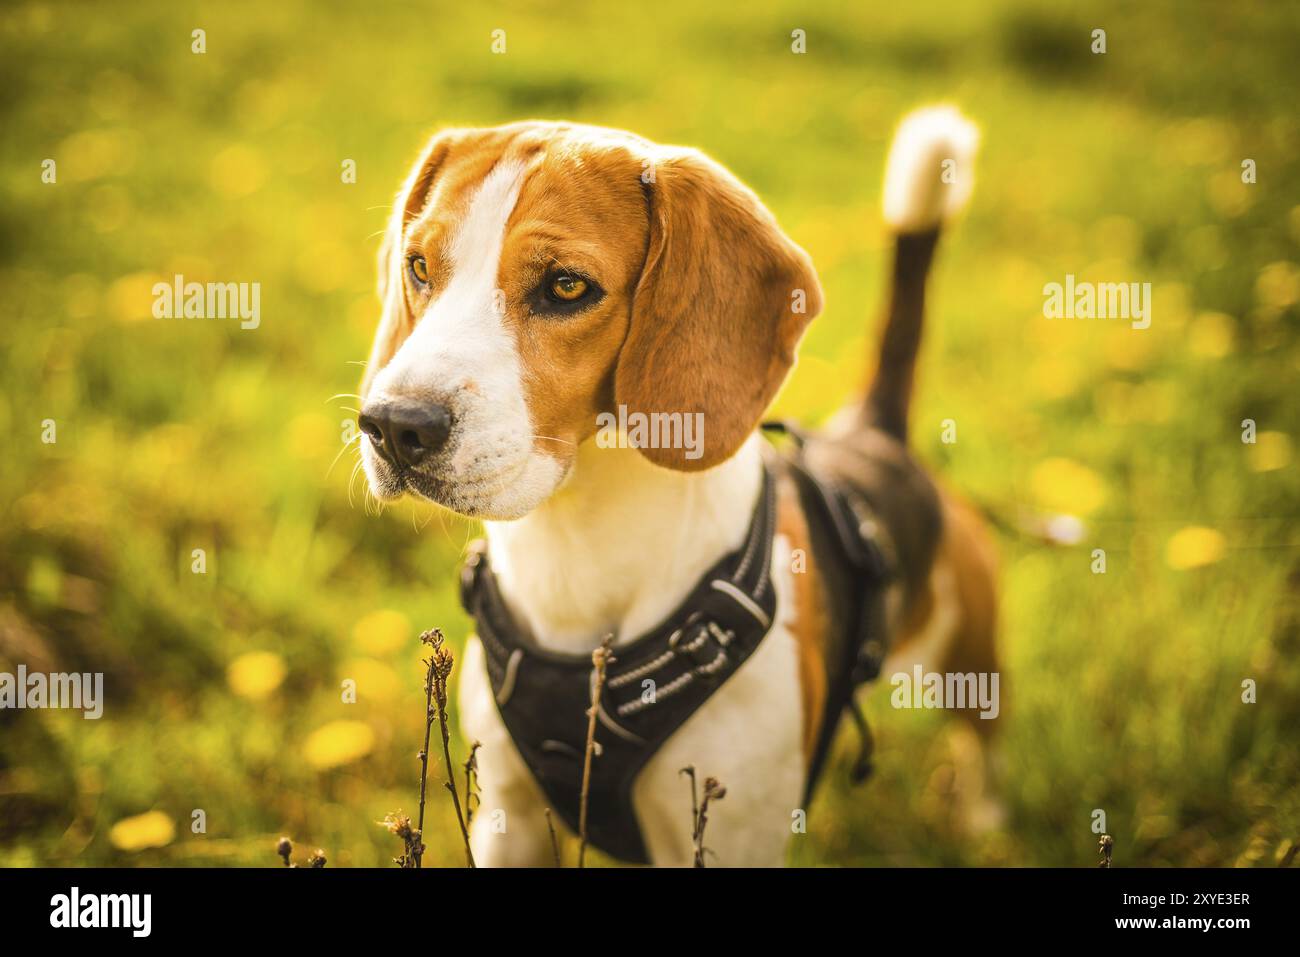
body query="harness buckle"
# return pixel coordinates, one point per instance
(706, 657)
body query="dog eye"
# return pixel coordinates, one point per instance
(567, 287)
(420, 270)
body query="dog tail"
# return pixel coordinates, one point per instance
(928, 180)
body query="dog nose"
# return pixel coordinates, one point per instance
(405, 432)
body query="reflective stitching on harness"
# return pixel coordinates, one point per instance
(765, 573)
(699, 640)
(723, 637)
(713, 665)
(559, 747)
(619, 681)
(617, 728)
(743, 600)
(629, 676)
(750, 549)
(512, 669)
(677, 684)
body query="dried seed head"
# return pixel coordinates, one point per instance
(398, 824)
(443, 660)
(713, 789)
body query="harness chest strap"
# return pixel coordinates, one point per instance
(653, 683)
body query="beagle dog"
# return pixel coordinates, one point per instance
(538, 276)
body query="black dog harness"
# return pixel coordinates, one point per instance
(657, 681)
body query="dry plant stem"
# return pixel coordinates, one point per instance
(713, 791)
(442, 665)
(689, 771)
(600, 658)
(555, 841)
(1106, 845)
(451, 786)
(399, 825)
(424, 757)
(471, 775)
(284, 847)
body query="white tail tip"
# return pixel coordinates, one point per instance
(931, 169)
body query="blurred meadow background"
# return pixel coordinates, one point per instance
(223, 689)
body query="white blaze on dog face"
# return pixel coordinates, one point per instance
(461, 355)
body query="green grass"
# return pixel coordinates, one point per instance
(1124, 688)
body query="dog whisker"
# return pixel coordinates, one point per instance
(339, 454)
(357, 466)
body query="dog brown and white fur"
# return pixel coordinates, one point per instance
(482, 393)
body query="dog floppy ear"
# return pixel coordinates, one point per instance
(411, 200)
(722, 302)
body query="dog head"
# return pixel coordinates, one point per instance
(538, 275)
